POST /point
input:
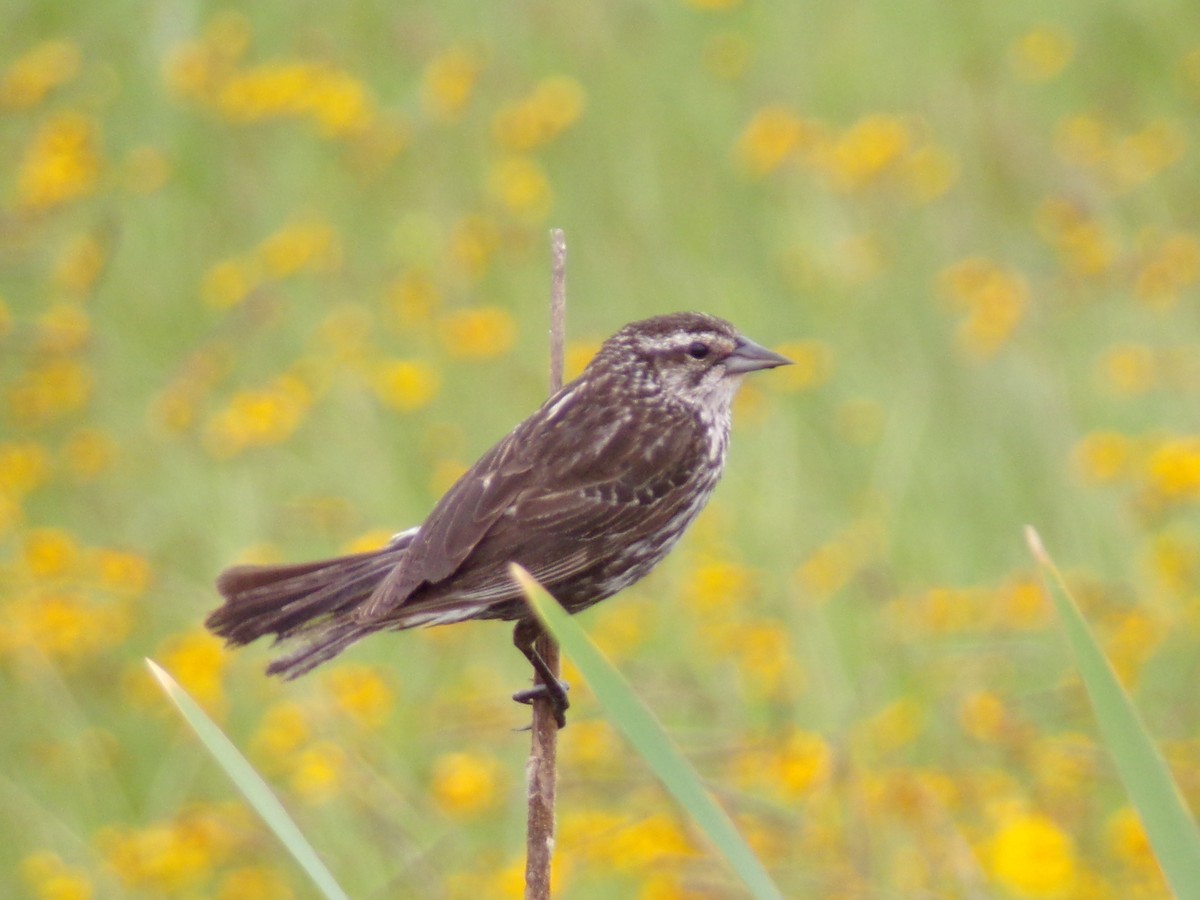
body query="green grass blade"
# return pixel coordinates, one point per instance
(646, 734)
(1169, 826)
(250, 783)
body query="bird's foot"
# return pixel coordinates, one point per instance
(555, 692)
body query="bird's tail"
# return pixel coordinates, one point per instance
(313, 602)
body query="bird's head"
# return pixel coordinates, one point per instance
(696, 358)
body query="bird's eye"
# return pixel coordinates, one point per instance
(698, 350)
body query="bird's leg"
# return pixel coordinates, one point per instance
(553, 689)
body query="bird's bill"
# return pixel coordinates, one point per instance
(750, 357)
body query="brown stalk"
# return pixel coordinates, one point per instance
(542, 767)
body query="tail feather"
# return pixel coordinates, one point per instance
(312, 601)
(331, 640)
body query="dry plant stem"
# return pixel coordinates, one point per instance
(541, 770)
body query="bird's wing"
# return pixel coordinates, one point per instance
(575, 471)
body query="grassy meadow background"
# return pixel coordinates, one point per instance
(270, 279)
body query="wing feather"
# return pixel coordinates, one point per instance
(577, 476)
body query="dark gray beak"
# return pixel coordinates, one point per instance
(750, 357)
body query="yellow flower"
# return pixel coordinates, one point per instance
(63, 328)
(340, 105)
(1174, 562)
(196, 70)
(258, 418)
(929, 172)
(89, 453)
(765, 659)
(625, 842)
(284, 729)
(49, 878)
(911, 795)
(660, 885)
(61, 164)
(24, 466)
(1135, 636)
(1103, 456)
(51, 390)
(33, 75)
(1063, 765)
(1173, 469)
(465, 784)
(67, 627)
(1128, 842)
(652, 841)
(982, 715)
(361, 693)
(1042, 53)
(473, 242)
(592, 746)
(587, 832)
(1128, 368)
(804, 762)
(197, 661)
(520, 185)
(122, 573)
(1140, 156)
(254, 883)
(1031, 856)
(1084, 246)
(190, 72)
(486, 332)
(414, 298)
(576, 357)
(1021, 606)
(310, 247)
(347, 331)
(555, 104)
(50, 553)
(992, 299)
(1083, 140)
(405, 385)
(750, 404)
(812, 365)
(716, 586)
(829, 568)
(174, 408)
(445, 473)
(939, 610)
(449, 81)
(374, 539)
(230, 282)
(866, 150)
(773, 136)
(318, 771)
(895, 726)
(1171, 268)
(618, 631)
(79, 265)
(335, 101)
(176, 856)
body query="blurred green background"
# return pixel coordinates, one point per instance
(271, 278)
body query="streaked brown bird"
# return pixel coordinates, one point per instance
(588, 494)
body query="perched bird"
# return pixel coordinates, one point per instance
(588, 494)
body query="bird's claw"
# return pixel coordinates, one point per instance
(557, 695)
